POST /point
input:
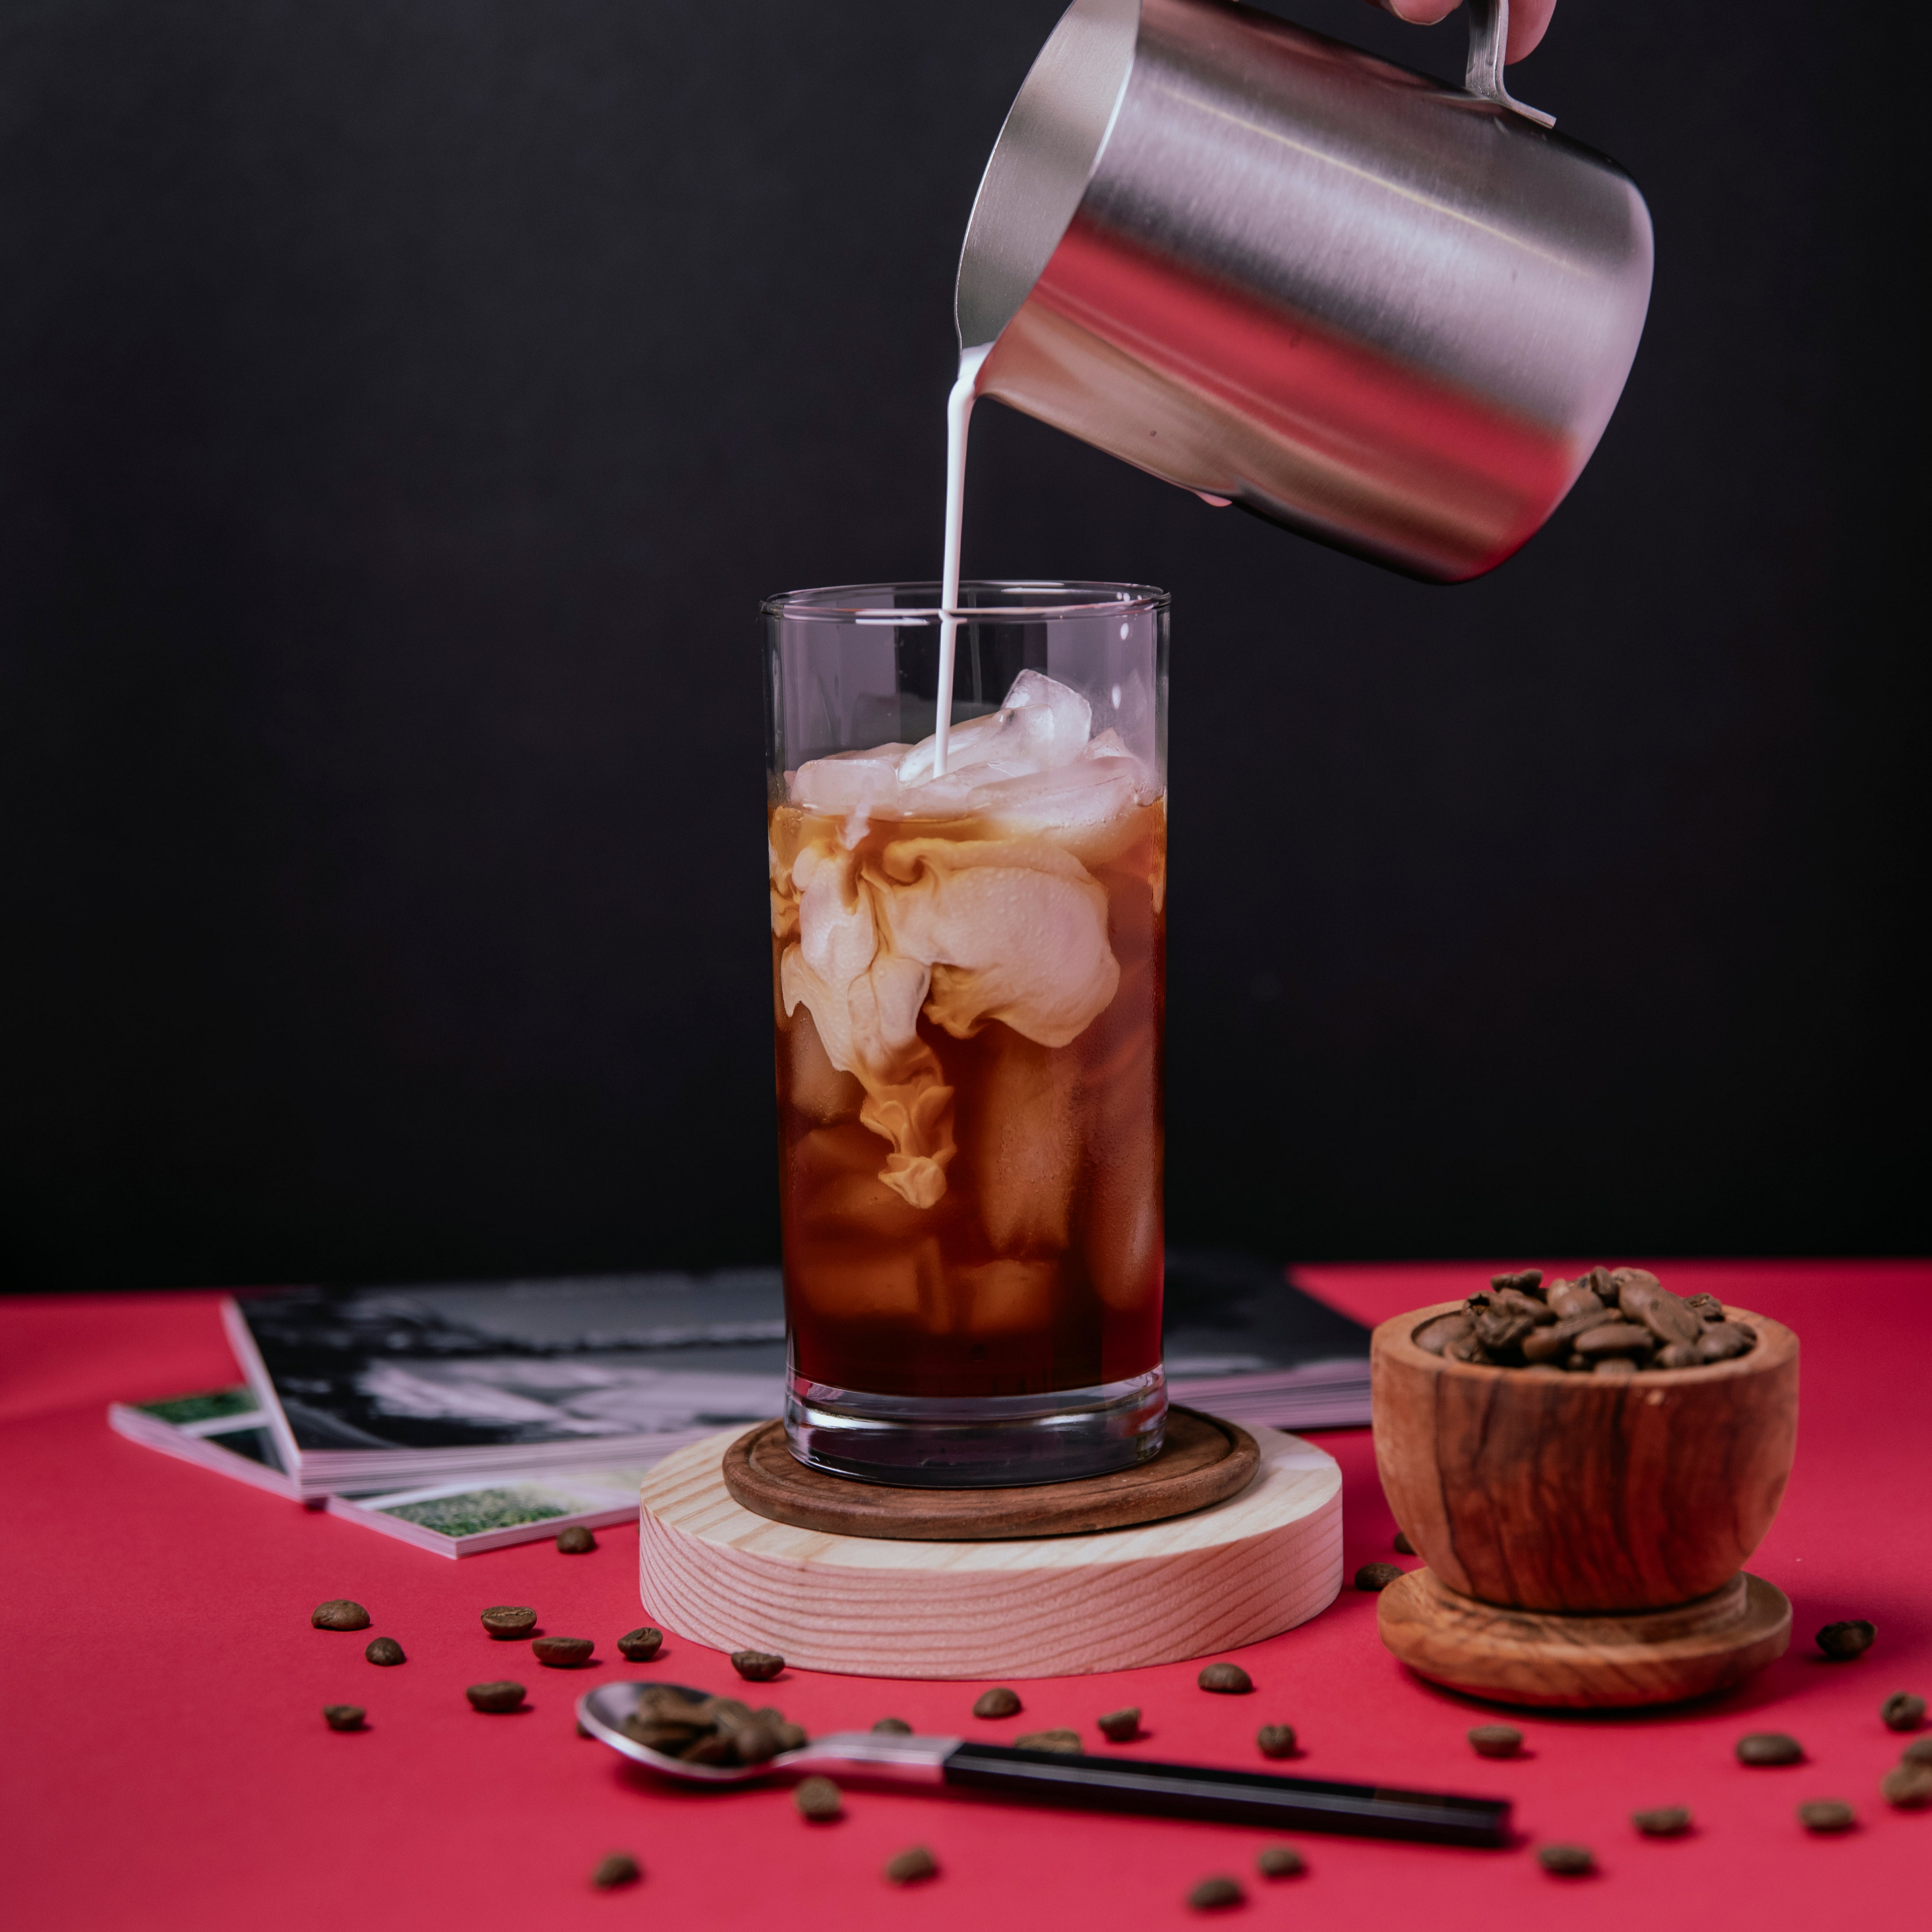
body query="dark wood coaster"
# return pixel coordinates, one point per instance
(1205, 1460)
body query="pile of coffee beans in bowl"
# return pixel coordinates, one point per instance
(1611, 1322)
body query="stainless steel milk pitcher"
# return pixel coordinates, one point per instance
(1391, 314)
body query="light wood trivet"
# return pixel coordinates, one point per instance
(1540, 1657)
(1205, 1460)
(1228, 1575)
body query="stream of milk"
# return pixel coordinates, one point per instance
(958, 414)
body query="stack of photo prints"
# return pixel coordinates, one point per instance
(462, 1418)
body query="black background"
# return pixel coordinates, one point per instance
(403, 406)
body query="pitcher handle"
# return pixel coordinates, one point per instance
(1488, 34)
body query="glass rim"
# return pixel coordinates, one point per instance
(869, 603)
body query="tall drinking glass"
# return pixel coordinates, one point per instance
(968, 984)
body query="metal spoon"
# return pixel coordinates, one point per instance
(1064, 1777)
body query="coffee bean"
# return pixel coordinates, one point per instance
(1902, 1712)
(344, 1717)
(620, 1868)
(1229, 1677)
(1545, 1370)
(756, 1667)
(639, 1646)
(1117, 1726)
(1048, 1740)
(1667, 1821)
(1570, 1299)
(1559, 1339)
(1826, 1814)
(818, 1798)
(1436, 1335)
(1496, 1740)
(562, 1653)
(1275, 1740)
(1769, 1747)
(1708, 1307)
(1215, 1894)
(1617, 1368)
(1469, 1349)
(576, 1541)
(500, 1696)
(509, 1620)
(1908, 1786)
(1566, 1861)
(1403, 1547)
(1843, 1641)
(1279, 1861)
(1722, 1340)
(1919, 1751)
(1645, 1300)
(1678, 1355)
(898, 1727)
(385, 1650)
(909, 1866)
(998, 1702)
(1524, 1281)
(1377, 1576)
(339, 1613)
(1614, 1338)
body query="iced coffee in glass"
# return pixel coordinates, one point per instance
(967, 989)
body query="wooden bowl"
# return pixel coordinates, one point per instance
(1582, 1493)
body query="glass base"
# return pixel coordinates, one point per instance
(939, 1442)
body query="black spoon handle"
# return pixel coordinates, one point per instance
(1234, 1797)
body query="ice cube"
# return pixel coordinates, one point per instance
(850, 781)
(1042, 725)
(1023, 1140)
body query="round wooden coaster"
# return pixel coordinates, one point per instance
(1538, 1657)
(1203, 1461)
(1229, 1574)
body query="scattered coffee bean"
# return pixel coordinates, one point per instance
(1566, 1861)
(501, 1696)
(1908, 1785)
(1769, 1747)
(756, 1667)
(1279, 1861)
(708, 1730)
(344, 1717)
(909, 1866)
(1275, 1740)
(1377, 1576)
(1708, 1307)
(1048, 1740)
(1215, 1894)
(387, 1650)
(620, 1868)
(1117, 1726)
(639, 1646)
(818, 1798)
(1403, 1547)
(1496, 1740)
(562, 1653)
(1902, 1712)
(576, 1541)
(1667, 1821)
(895, 1727)
(509, 1620)
(1843, 1641)
(1228, 1678)
(1826, 1814)
(1919, 1751)
(339, 1613)
(998, 1702)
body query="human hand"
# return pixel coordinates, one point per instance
(1529, 19)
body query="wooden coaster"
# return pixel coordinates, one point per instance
(1228, 1574)
(1203, 1461)
(1536, 1656)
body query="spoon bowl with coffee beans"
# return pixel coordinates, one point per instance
(684, 1733)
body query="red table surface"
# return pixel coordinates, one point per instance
(167, 1765)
